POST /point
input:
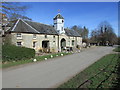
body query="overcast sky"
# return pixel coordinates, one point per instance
(88, 14)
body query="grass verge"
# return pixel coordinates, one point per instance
(117, 49)
(95, 75)
(38, 58)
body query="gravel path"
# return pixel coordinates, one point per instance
(51, 73)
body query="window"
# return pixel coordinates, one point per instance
(34, 44)
(45, 36)
(19, 44)
(34, 36)
(68, 42)
(72, 42)
(53, 36)
(58, 31)
(62, 28)
(53, 42)
(19, 35)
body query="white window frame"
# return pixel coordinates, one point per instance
(19, 36)
(34, 36)
(20, 43)
(73, 42)
(68, 42)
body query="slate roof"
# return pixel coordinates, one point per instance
(58, 17)
(24, 26)
(32, 27)
(42, 28)
(71, 33)
(21, 27)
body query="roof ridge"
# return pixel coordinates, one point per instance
(15, 25)
(39, 23)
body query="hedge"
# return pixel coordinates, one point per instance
(15, 53)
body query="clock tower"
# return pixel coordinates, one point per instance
(59, 24)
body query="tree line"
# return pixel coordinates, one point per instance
(103, 35)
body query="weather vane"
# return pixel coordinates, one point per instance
(58, 10)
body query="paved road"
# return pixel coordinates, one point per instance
(51, 73)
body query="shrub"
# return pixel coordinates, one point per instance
(14, 53)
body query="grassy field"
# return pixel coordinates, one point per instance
(38, 58)
(101, 74)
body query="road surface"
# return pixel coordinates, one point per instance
(51, 73)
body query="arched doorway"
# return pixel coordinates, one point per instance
(63, 43)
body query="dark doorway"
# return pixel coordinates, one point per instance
(45, 44)
(63, 43)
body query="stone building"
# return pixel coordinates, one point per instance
(42, 37)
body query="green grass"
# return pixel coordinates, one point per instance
(106, 77)
(117, 49)
(91, 71)
(39, 58)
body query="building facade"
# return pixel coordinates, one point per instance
(42, 37)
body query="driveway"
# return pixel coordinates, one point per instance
(51, 73)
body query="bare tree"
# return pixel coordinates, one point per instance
(13, 10)
(85, 33)
(104, 34)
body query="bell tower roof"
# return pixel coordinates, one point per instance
(59, 16)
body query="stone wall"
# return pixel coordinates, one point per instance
(54, 41)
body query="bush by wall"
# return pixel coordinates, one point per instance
(15, 53)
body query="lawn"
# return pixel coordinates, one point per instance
(117, 49)
(38, 58)
(101, 74)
